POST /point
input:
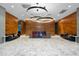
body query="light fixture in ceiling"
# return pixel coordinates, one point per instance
(69, 6)
(54, 18)
(12, 6)
(44, 18)
(38, 7)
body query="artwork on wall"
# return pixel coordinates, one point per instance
(39, 34)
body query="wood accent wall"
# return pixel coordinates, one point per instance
(35, 26)
(11, 24)
(68, 25)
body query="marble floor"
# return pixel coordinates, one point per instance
(54, 46)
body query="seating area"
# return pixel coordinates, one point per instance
(68, 37)
(12, 37)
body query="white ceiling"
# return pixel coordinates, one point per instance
(53, 9)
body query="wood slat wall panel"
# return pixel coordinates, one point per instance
(68, 25)
(11, 24)
(35, 26)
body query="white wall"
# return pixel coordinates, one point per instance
(2, 24)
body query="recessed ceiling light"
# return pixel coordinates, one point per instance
(69, 6)
(58, 15)
(12, 6)
(54, 18)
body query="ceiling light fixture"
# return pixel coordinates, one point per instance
(54, 18)
(44, 18)
(37, 7)
(69, 6)
(12, 6)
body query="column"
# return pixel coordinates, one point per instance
(2, 24)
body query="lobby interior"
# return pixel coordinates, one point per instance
(39, 29)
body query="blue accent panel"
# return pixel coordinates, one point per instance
(19, 27)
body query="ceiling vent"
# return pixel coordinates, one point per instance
(26, 5)
(62, 11)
